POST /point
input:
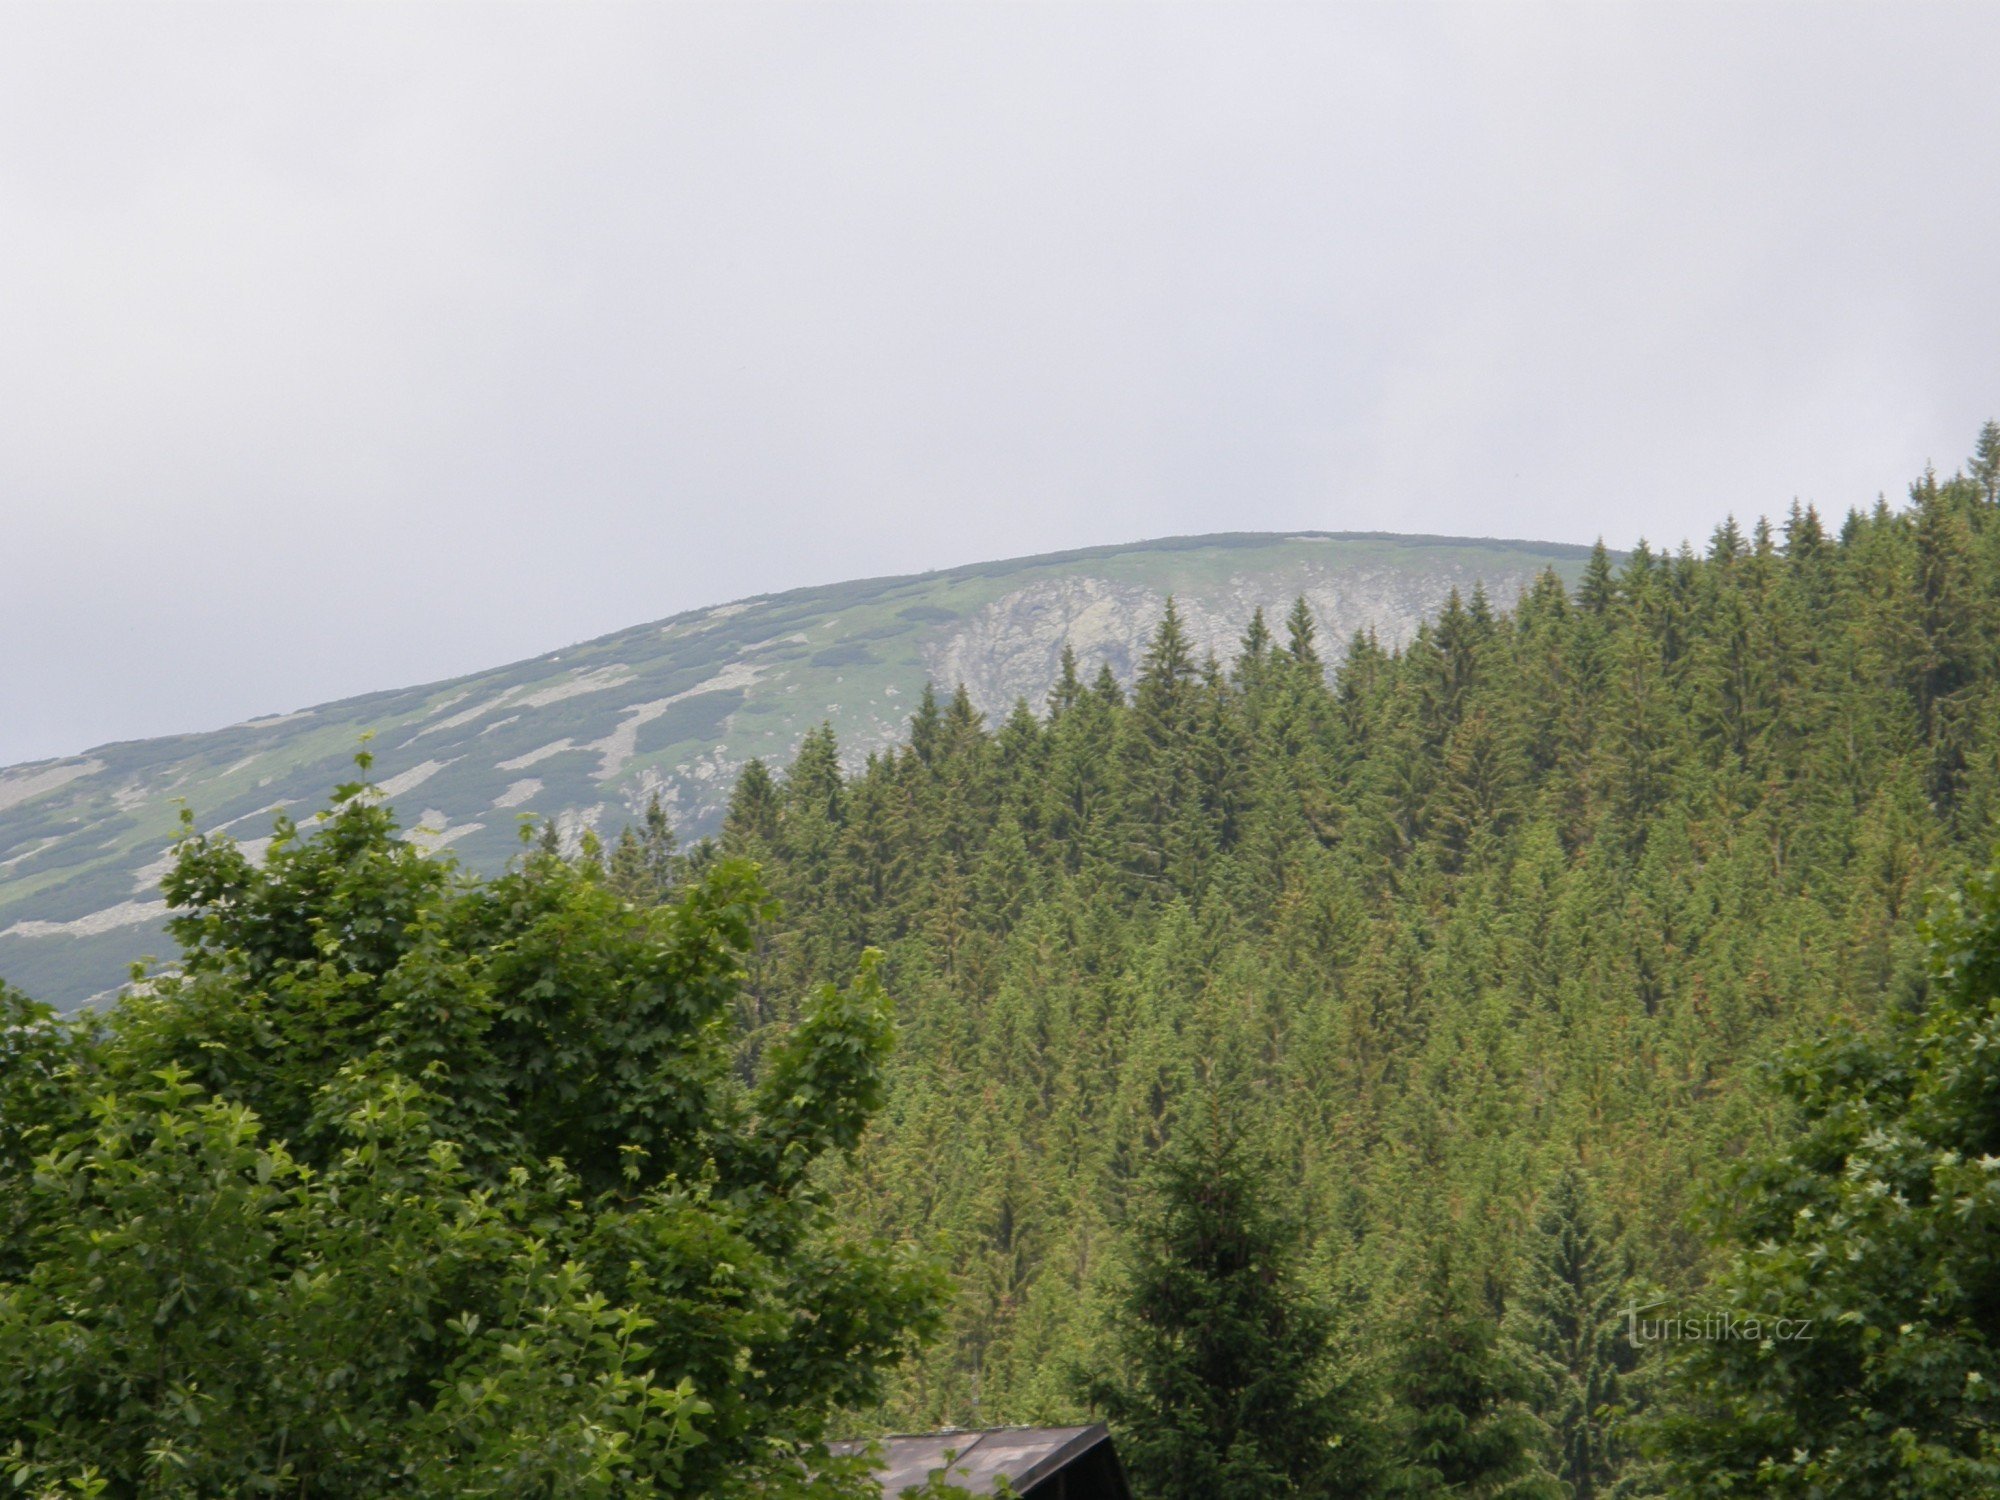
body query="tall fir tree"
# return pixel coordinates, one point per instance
(1225, 1385)
(1462, 1423)
(1570, 1313)
(1301, 635)
(1984, 470)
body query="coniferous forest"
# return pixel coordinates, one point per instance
(1318, 1063)
(1484, 944)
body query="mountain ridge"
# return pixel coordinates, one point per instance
(587, 733)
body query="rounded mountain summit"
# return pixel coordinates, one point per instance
(586, 736)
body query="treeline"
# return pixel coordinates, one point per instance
(1479, 937)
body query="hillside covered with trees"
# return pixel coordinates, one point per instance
(1485, 939)
(588, 734)
(1339, 1080)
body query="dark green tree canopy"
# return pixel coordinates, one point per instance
(1569, 1315)
(1463, 1425)
(1533, 890)
(1226, 1384)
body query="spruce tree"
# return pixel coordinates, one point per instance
(1804, 536)
(815, 787)
(1155, 757)
(1594, 594)
(1104, 687)
(1568, 1314)
(1225, 1385)
(1068, 687)
(1257, 634)
(1462, 1424)
(1254, 646)
(750, 827)
(658, 841)
(1725, 543)
(926, 725)
(1984, 470)
(627, 873)
(1300, 633)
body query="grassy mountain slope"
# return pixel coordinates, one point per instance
(589, 733)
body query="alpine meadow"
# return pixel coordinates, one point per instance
(1556, 1056)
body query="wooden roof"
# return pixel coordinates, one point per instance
(1062, 1458)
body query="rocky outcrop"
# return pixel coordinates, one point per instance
(1012, 648)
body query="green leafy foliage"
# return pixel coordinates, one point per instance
(406, 1183)
(1871, 1230)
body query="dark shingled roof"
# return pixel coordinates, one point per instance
(1026, 1456)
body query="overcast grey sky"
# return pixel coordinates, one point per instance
(354, 346)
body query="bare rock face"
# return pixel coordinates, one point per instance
(1012, 648)
(586, 736)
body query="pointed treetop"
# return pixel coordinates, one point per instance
(1257, 639)
(1726, 545)
(1069, 687)
(1639, 567)
(1984, 470)
(816, 781)
(657, 849)
(752, 816)
(627, 870)
(1105, 687)
(1593, 594)
(1804, 536)
(1253, 650)
(1549, 597)
(962, 720)
(1168, 661)
(926, 726)
(659, 827)
(1299, 634)
(1019, 734)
